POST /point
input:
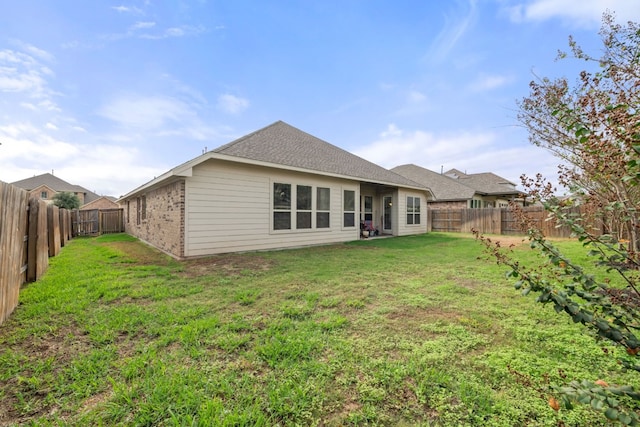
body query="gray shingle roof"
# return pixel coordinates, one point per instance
(56, 184)
(283, 144)
(443, 187)
(485, 182)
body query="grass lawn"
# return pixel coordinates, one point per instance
(420, 330)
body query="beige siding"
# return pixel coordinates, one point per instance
(403, 228)
(228, 209)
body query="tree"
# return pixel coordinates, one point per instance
(594, 128)
(66, 200)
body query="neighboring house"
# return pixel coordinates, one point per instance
(457, 190)
(278, 187)
(102, 202)
(45, 186)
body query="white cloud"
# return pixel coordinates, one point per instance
(232, 104)
(577, 13)
(33, 50)
(146, 112)
(489, 82)
(142, 26)
(99, 169)
(140, 117)
(396, 146)
(25, 143)
(145, 30)
(455, 27)
(24, 74)
(127, 9)
(27, 151)
(416, 96)
(38, 137)
(473, 151)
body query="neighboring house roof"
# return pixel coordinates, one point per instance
(443, 187)
(455, 185)
(284, 146)
(103, 202)
(55, 184)
(485, 183)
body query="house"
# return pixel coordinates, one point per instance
(102, 203)
(46, 186)
(277, 187)
(457, 190)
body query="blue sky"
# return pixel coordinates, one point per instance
(110, 94)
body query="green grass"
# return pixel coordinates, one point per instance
(420, 330)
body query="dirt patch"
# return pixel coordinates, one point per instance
(506, 241)
(230, 265)
(95, 401)
(140, 253)
(59, 347)
(399, 322)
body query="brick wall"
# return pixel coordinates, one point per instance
(157, 217)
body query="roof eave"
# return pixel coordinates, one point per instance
(186, 170)
(244, 160)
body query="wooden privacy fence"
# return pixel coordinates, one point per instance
(97, 221)
(31, 231)
(492, 221)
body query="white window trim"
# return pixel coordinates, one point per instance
(414, 212)
(294, 204)
(356, 207)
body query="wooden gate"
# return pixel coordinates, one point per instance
(111, 221)
(93, 222)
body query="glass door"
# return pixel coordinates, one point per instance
(387, 202)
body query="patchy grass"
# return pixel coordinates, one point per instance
(418, 330)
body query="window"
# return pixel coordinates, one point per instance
(138, 210)
(323, 205)
(128, 210)
(303, 206)
(475, 204)
(349, 208)
(368, 208)
(413, 210)
(144, 207)
(281, 206)
(44, 195)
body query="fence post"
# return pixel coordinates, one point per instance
(13, 223)
(38, 248)
(53, 225)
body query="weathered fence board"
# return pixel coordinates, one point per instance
(93, 222)
(446, 219)
(494, 221)
(53, 229)
(86, 223)
(65, 226)
(111, 221)
(38, 243)
(13, 228)
(30, 232)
